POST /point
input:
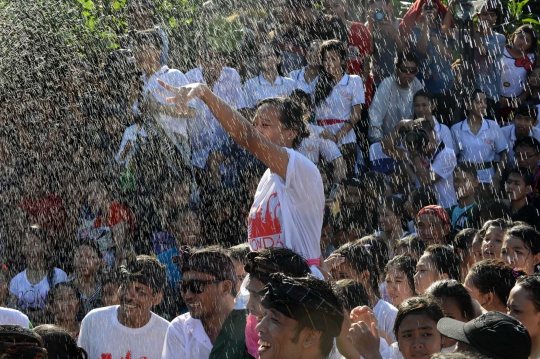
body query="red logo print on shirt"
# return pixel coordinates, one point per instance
(264, 227)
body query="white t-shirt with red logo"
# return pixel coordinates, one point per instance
(289, 213)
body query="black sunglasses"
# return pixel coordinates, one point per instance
(408, 70)
(195, 286)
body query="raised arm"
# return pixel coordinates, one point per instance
(240, 129)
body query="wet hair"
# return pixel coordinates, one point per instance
(532, 284)
(467, 167)
(500, 223)
(406, 264)
(146, 38)
(291, 116)
(92, 244)
(378, 249)
(351, 293)
(425, 93)
(472, 97)
(59, 343)
(25, 343)
(396, 205)
(290, 263)
(464, 239)
(528, 235)
(424, 305)
(494, 209)
(422, 197)
(527, 110)
(452, 289)
(526, 29)
(324, 289)
(524, 174)
(445, 260)
(529, 142)
(239, 252)
(374, 182)
(325, 84)
(359, 258)
(301, 97)
(413, 243)
(405, 56)
(53, 292)
(494, 276)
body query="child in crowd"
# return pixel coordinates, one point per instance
(399, 278)
(525, 121)
(527, 155)
(492, 236)
(238, 255)
(109, 292)
(518, 186)
(411, 245)
(478, 140)
(466, 213)
(416, 326)
(87, 262)
(490, 282)
(467, 249)
(354, 261)
(438, 262)
(418, 199)
(64, 302)
(524, 305)
(519, 58)
(391, 221)
(29, 288)
(521, 248)
(533, 90)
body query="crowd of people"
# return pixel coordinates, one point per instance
(332, 188)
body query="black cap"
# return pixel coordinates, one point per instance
(494, 334)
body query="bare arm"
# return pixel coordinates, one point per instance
(240, 129)
(157, 107)
(425, 176)
(422, 43)
(355, 117)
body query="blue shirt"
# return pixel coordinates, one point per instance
(435, 69)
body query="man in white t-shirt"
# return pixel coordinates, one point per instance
(129, 330)
(212, 328)
(431, 161)
(12, 316)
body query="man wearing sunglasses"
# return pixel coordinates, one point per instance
(212, 328)
(393, 100)
(130, 329)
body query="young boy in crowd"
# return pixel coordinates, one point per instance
(518, 186)
(466, 213)
(525, 120)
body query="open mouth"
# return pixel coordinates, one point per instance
(194, 305)
(264, 345)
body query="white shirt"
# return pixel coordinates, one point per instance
(289, 212)
(442, 133)
(299, 77)
(443, 164)
(174, 78)
(481, 147)
(514, 74)
(186, 339)
(386, 315)
(205, 131)
(509, 133)
(258, 88)
(314, 145)
(348, 92)
(129, 136)
(390, 105)
(13, 317)
(34, 295)
(103, 337)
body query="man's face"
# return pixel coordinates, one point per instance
(431, 229)
(254, 286)
(204, 303)
(524, 124)
(137, 299)
(516, 188)
(464, 184)
(268, 59)
(406, 72)
(279, 337)
(526, 157)
(487, 18)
